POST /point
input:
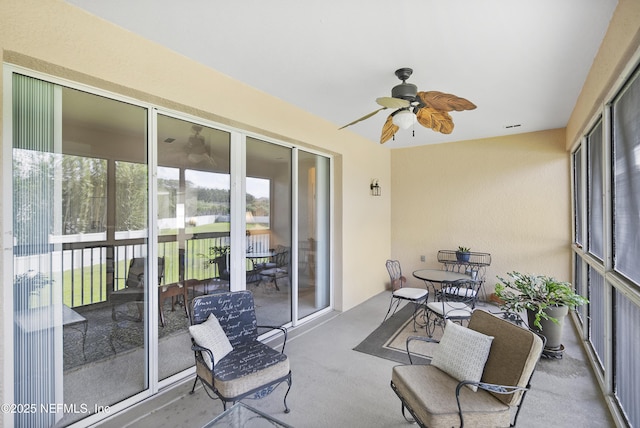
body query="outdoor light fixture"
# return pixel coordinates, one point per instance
(375, 187)
(404, 119)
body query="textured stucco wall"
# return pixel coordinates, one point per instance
(507, 196)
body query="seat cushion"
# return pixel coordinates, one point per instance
(450, 309)
(410, 293)
(210, 335)
(249, 366)
(430, 393)
(459, 291)
(462, 353)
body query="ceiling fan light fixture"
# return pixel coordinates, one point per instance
(404, 119)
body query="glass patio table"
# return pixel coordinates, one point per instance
(241, 415)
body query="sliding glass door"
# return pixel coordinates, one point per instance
(121, 216)
(80, 219)
(193, 202)
(268, 231)
(313, 233)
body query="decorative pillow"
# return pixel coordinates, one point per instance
(462, 353)
(210, 335)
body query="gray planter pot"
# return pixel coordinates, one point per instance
(551, 330)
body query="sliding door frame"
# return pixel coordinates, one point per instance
(237, 232)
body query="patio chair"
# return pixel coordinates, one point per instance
(230, 360)
(487, 367)
(223, 267)
(454, 301)
(133, 290)
(224, 274)
(417, 296)
(279, 269)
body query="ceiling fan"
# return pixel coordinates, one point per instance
(430, 109)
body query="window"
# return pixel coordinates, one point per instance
(626, 171)
(612, 224)
(577, 196)
(131, 200)
(594, 195)
(258, 203)
(207, 201)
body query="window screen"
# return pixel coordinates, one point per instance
(626, 177)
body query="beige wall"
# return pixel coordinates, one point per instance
(506, 196)
(59, 39)
(53, 37)
(495, 195)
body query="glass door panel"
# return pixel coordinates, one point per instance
(268, 233)
(80, 216)
(194, 225)
(313, 233)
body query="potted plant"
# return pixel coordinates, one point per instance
(462, 254)
(28, 288)
(545, 299)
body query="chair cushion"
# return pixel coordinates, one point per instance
(410, 293)
(274, 272)
(459, 291)
(210, 335)
(249, 366)
(450, 309)
(514, 353)
(430, 393)
(462, 353)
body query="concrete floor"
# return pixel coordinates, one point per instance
(335, 386)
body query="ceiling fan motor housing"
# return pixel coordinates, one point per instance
(406, 91)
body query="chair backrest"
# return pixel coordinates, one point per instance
(234, 310)
(135, 275)
(461, 290)
(282, 258)
(223, 267)
(514, 353)
(395, 274)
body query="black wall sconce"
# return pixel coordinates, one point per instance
(375, 187)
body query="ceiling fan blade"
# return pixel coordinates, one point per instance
(389, 129)
(362, 118)
(444, 102)
(439, 121)
(391, 102)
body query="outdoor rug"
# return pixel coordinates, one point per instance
(106, 338)
(389, 339)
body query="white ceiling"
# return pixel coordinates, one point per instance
(521, 62)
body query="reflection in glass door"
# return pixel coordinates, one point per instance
(85, 271)
(194, 224)
(80, 220)
(313, 233)
(268, 233)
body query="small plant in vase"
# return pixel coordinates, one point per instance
(463, 254)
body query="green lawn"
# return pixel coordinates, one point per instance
(85, 286)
